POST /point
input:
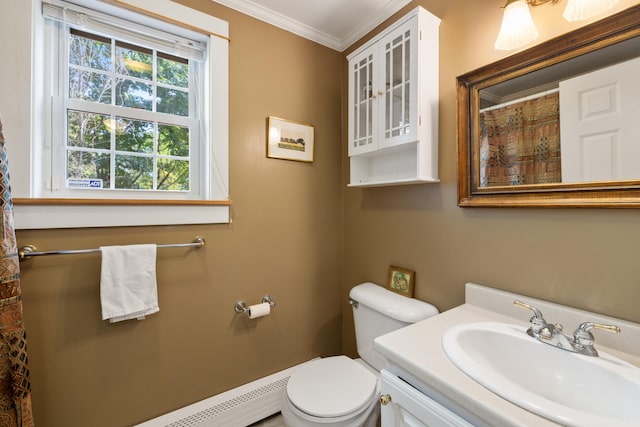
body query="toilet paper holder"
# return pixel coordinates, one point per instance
(241, 306)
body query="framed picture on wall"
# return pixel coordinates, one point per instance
(289, 140)
(401, 280)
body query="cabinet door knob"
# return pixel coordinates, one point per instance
(385, 399)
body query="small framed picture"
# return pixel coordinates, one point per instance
(401, 280)
(289, 140)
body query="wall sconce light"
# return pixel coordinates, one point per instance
(518, 28)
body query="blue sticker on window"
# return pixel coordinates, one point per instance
(84, 183)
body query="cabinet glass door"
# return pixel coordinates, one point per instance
(363, 97)
(398, 126)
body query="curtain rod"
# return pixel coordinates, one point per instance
(524, 98)
(28, 251)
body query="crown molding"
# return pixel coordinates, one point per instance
(384, 13)
(279, 20)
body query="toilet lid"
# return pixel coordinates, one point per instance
(331, 387)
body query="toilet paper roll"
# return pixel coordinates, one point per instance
(259, 310)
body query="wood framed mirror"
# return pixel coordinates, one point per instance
(557, 125)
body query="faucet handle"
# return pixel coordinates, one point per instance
(584, 337)
(537, 320)
(583, 331)
(535, 311)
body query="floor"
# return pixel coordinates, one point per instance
(272, 421)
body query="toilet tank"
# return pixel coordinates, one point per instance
(379, 311)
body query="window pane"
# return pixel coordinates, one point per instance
(134, 172)
(173, 175)
(173, 140)
(134, 61)
(89, 50)
(172, 101)
(407, 57)
(85, 164)
(134, 135)
(134, 94)
(173, 71)
(397, 65)
(88, 130)
(89, 86)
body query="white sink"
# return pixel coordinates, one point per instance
(565, 387)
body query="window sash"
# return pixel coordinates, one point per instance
(61, 151)
(62, 104)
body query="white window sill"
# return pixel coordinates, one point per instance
(28, 217)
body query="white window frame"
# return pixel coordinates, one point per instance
(61, 104)
(35, 209)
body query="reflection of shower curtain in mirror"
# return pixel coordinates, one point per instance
(15, 388)
(520, 143)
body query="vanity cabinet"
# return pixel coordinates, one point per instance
(393, 104)
(402, 405)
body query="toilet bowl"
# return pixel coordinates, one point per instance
(342, 392)
(336, 391)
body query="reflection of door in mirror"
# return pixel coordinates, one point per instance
(600, 131)
(592, 119)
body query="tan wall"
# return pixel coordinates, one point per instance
(285, 240)
(583, 258)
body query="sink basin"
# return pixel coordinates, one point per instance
(564, 387)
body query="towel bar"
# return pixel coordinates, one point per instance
(28, 251)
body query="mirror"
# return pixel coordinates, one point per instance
(557, 125)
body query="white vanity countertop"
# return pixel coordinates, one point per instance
(417, 350)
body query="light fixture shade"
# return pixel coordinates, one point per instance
(577, 10)
(517, 27)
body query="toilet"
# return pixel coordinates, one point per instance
(338, 391)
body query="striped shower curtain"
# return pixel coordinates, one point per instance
(15, 388)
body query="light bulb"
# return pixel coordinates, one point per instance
(517, 27)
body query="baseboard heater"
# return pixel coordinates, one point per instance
(238, 407)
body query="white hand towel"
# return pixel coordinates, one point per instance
(128, 287)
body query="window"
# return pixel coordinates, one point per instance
(128, 124)
(130, 108)
(138, 111)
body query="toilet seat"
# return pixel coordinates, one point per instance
(331, 387)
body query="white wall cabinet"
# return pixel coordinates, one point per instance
(393, 104)
(405, 406)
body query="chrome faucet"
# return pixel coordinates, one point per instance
(581, 342)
